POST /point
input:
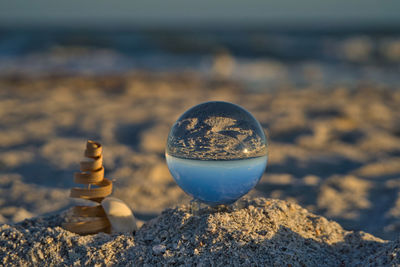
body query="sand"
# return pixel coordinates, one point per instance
(335, 151)
(262, 232)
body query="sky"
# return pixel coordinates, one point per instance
(161, 13)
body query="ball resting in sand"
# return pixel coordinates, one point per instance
(216, 152)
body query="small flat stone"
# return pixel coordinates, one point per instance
(159, 249)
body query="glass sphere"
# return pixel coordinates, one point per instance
(216, 152)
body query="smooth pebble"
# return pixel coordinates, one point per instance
(119, 214)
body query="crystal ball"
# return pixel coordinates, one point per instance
(216, 152)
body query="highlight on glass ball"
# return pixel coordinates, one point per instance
(216, 152)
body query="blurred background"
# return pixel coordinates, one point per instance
(322, 77)
(253, 41)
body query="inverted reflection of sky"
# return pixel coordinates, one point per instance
(216, 182)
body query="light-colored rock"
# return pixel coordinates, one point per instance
(120, 215)
(159, 249)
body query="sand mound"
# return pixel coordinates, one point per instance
(261, 232)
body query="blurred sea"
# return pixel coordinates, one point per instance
(260, 58)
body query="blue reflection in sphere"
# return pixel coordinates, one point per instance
(216, 152)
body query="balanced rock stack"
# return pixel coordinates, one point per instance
(90, 219)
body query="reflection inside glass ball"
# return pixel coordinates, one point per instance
(216, 152)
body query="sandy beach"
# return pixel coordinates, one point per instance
(333, 151)
(327, 96)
